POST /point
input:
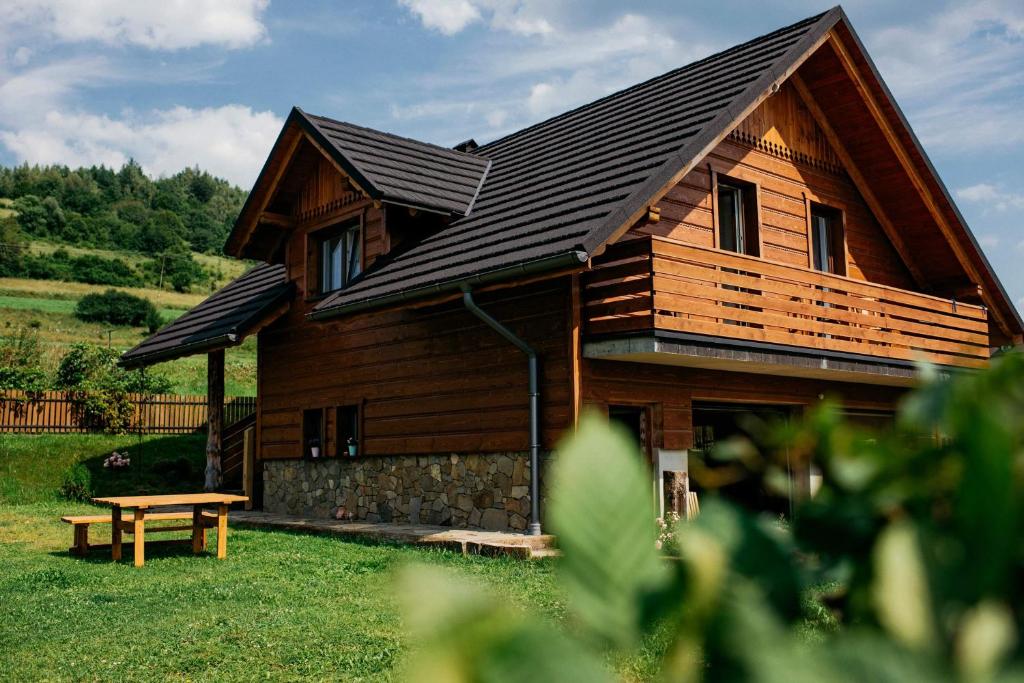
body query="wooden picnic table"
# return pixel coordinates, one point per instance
(142, 506)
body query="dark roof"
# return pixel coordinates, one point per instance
(401, 170)
(224, 319)
(557, 191)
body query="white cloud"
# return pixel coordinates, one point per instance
(156, 24)
(447, 16)
(522, 17)
(959, 72)
(229, 141)
(992, 196)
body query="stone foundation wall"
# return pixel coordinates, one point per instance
(485, 491)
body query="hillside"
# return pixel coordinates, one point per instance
(67, 233)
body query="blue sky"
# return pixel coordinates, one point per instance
(209, 82)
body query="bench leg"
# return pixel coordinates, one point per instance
(81, 546)
(140, 537)
(198, 530)
(222, 531)
(115, 534)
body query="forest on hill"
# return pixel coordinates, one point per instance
(166, 220)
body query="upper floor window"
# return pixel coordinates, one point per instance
(828, 241)
(737, 217)
(339, 257)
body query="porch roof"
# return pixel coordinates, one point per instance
(233, 312)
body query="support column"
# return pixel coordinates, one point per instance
(214, 417)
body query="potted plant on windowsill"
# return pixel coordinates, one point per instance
(353, 446)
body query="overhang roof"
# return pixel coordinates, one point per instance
(240, 308)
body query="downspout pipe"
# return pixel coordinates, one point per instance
(534, 385)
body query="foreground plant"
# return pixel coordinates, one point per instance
(920, 527)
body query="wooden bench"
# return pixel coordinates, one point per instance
(80, 524)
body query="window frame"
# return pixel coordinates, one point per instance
(315, 255)
(355, 413)
(749, 213)
(835, 222)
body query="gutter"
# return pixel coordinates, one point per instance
(531, 355)
(563, 260)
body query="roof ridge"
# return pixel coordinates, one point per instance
(377, 131)
(637, 86)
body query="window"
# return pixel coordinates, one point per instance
(737, 217)
(313, 433)
(339, 257)
(828, 243)
(348, 430)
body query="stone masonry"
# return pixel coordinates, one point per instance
(483, 491)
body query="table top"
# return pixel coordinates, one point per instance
(172, 499)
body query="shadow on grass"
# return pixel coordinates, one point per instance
(167, 464)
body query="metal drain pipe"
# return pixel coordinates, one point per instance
(531, 355)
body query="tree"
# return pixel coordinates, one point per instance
(161, 233)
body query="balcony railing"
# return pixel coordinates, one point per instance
(657, 283)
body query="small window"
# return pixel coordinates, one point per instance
(348, 430)
(313, 433)
(737, 217)
(828, 243)
(339, 257)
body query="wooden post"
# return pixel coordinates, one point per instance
(198, 530)
(115, 533)
(249, 464)
(140, 537)
(214, 417)
(222, 531)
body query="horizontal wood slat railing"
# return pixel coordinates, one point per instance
(658, 283)
(60, 412)
(232, 450)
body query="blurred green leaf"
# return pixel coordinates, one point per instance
(901, 593)
(604, 518)
(464, 635)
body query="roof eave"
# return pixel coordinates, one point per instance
(557, 262)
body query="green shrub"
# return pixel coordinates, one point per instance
(77, 483)
(117, 308)
(21, 361)
(101, 388)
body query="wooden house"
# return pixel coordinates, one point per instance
(741, 236)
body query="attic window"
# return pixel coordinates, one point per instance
(338, 253)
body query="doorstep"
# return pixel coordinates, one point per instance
(466, 541)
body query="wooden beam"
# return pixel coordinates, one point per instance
(911, 170)
(858, 179)
(270, 188)
(277, 219)
(214, 418)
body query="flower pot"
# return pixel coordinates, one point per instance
(314, 452)
(352, 448)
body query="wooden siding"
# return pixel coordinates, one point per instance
(429, 380)
(660, 283)
(669, 393)
(781, 150)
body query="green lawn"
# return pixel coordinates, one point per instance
(283, 606)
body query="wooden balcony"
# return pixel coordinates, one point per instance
(654, 284)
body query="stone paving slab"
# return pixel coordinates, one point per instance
(466, 541)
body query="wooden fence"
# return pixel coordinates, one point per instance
(58, 412)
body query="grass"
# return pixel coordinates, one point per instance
(63, 306)
(282, 606)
